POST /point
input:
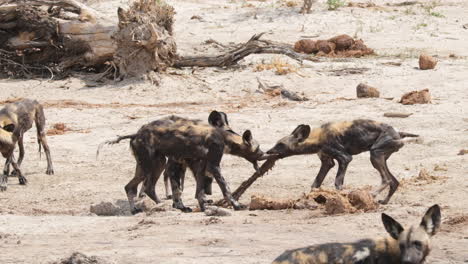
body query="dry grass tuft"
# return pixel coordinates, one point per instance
(280, 67)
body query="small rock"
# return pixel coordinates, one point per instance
(307, 46)
(416, 97)
(366, 91)
(196, 17)
(463, 152)
(104, 209)
(427, 62)
(217, 211)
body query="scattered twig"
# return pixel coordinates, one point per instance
(397, 115)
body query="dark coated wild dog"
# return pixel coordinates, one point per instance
(340, 141)
(215, 119)
(198, 146)
(15, 119)
(410, 246)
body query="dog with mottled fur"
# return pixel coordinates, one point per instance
(15, 119)
(215, 119)
(340, 141)
(403, 246)
(198, 146)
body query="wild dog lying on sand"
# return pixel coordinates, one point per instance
(340, 141)
(199, 146)
(410, 246)
(215, 119)
(15, 119)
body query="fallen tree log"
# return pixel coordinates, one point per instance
(53, 36)
(56, 36)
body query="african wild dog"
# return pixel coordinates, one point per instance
(15, 119)
(340, 141)
(198, 146)
(215, 119)
(410, 246)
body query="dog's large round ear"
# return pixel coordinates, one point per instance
(301, 132)
(247, 137)
(392, 226)
(218, 119)
(431, 220)
(9, 128)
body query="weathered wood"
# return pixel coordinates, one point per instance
(266, 166)
(232, 57)
(397, 115)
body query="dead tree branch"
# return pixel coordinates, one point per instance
(254, 46)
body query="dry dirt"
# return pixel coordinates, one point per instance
(50, 218)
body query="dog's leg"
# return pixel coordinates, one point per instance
(150, 183)
(175, 170)
(131, 189)
(380, 152)
(6, 169)
(327, 164)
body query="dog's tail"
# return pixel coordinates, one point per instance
(112, 142)
(404, 134)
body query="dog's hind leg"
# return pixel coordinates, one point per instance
(6, 169)
(131, 189)
(150, 183)
(41, 138)
(380, 152)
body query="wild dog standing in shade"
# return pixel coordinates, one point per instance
(410, 246)
(215, 119)
(15, 119)
(198, 146)
(340, 141)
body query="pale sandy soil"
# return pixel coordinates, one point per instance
(50, 218)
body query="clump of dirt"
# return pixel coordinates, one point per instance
(338, 46)
(331, 201)
(362, 200)
(423, 178)
(258, 202)
(416, 97)
(80, 258)
(61, 128)
(58, 129)
(105, 209)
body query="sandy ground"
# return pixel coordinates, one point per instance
(49, 218)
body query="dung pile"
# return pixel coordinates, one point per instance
(331, 201)
(339, 46)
